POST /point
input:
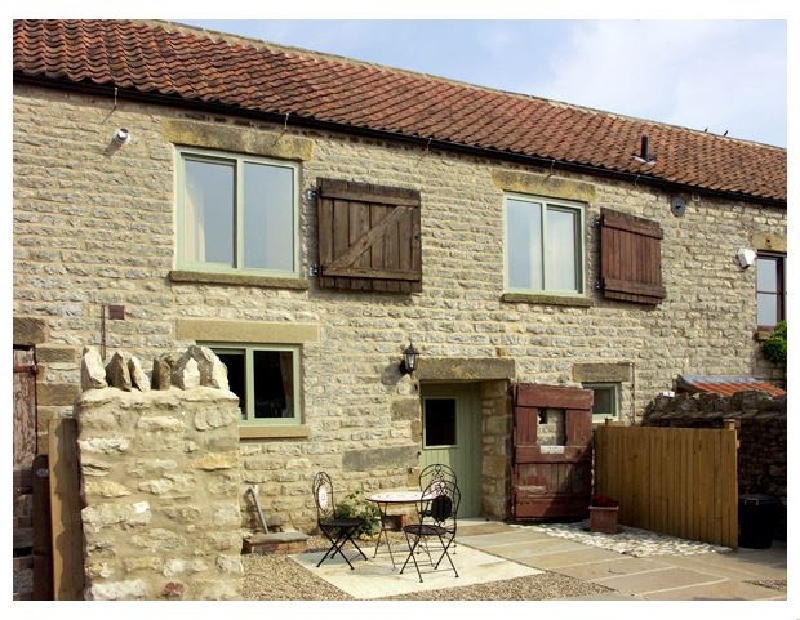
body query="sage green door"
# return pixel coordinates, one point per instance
(451, 434)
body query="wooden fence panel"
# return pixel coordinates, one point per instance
(65, 510)
(676, 481)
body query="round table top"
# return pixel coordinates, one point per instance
(397, 497)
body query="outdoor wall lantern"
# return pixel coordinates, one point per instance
(409, 363)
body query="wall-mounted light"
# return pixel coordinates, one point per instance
(409, 362)
(746, 257)
(122, 136)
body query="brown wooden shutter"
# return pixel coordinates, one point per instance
(630, 258)
(369, 237)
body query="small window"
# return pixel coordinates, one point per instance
(266, 380)
(770, 291)
(544, 246)
(606, 401)
(551, 430)
(237, 214)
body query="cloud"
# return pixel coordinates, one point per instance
(716, 74)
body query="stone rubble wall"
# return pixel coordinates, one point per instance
(761, 423)
(160, 473)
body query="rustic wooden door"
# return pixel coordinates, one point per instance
(552, 459)
(451, 435)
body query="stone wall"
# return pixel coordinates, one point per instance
(161, 474)
(761, 423)
(497, 423)
(94, 225)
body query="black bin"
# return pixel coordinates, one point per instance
(757, 516)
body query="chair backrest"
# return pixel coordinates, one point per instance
(443, 507)
(323, 495)
(436, 471)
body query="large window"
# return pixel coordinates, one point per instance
(266, 379)
(770, 291)
(544, 246)
(237, 213)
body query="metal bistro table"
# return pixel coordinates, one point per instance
(393, 498)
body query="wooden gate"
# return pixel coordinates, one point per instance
(676, 481)
(552, 460)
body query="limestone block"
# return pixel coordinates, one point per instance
(117, 374)
(138, 377)
(118, 591)
(93, 374)
(186, 375)
(162, 372)
(105, 488)
(213, 372)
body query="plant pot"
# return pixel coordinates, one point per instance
(603, 520)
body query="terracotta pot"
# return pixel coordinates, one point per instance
(603, 520)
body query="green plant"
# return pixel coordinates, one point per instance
(774, 347)
(354, 505)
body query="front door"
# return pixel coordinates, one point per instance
(451, 435)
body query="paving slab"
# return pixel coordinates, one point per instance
(376, 578)
(575, 557)
(727, 590)
(657, 579)
(595, 571)
(730, 565)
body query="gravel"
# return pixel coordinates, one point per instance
(279, 578)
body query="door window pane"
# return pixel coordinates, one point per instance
(440, 422)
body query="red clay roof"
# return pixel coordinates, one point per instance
(726, 385)
(194, 65)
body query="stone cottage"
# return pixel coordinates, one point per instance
(307, 216)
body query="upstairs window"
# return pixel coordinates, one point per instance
(544, 246)
(237, 213)
(770, 289)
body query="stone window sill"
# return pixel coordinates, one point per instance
(547, 300)
(299, 431)
(205, 277)
(762, 333)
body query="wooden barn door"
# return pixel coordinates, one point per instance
(552, 458)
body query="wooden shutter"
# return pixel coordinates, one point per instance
(369, 237)
(630, 258)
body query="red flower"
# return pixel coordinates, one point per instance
(603, 501)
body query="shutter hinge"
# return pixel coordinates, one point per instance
(313, 270)
(596, 223)
(311, 194)
(598, 285)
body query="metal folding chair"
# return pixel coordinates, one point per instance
(338, 530)
(437, 522)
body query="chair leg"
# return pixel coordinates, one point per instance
(445, 547)
(411, 550)
(336, 547)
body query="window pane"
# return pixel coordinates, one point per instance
(440, 422)
(273, 384)
(235, 363)
(208, 212)
(562, 253)
(268, 217)
(766, 274)
(524, 241)
(603, 402)
(767, 309)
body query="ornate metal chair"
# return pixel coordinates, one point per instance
(338, 530)
(437, 471)
(437, 521)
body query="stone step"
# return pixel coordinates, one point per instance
(275, 542)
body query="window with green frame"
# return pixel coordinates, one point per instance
(237, 213)
(606, 401)
(544, 245)
(266, 379)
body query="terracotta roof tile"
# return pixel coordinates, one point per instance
(726, 384)
(195, 65)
